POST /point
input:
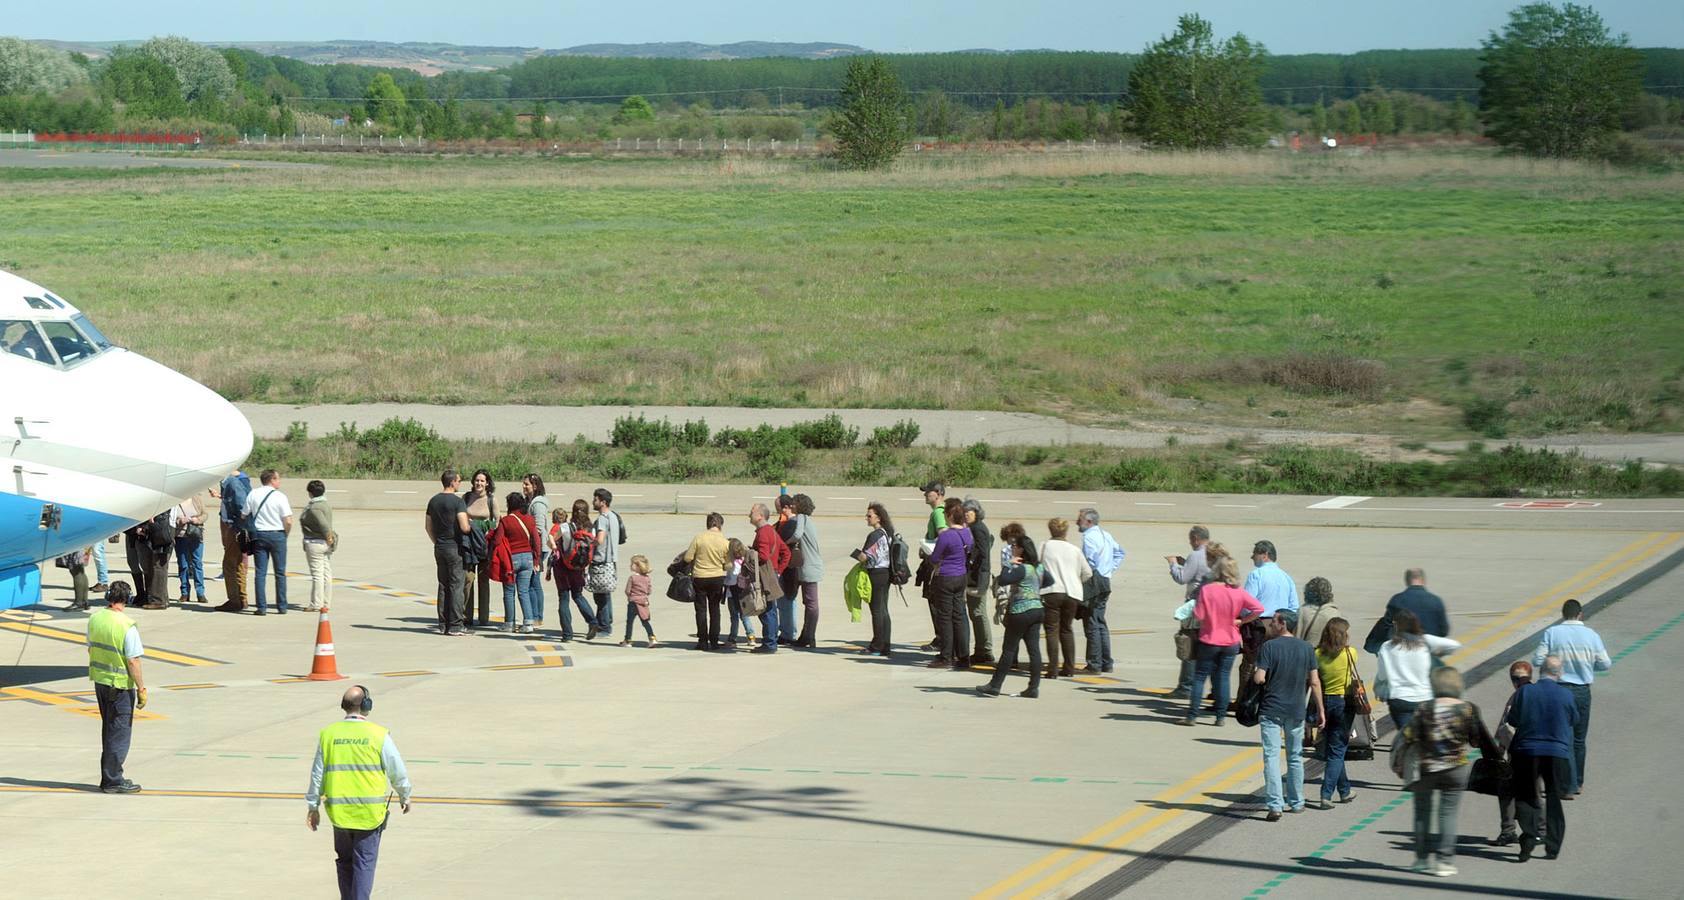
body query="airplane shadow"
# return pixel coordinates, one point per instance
(17, 676)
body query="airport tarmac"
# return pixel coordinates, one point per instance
(588, 768)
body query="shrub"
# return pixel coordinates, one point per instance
(1034, 456)
(828, 433)
(962, 468)
(646, 436)
(297, 432)
(772, 454)
(1488, 417)
(1140, 474)
(867, 469)
(900, 435)
(398, 446)
(1068, 478)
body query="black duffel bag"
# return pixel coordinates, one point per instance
(682, 587)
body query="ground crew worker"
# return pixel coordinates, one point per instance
(114, 665)
(355, 761)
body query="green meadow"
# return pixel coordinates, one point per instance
(1410, 293)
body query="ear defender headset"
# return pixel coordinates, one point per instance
(368, 701)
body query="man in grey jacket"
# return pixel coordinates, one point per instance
(1192, 571)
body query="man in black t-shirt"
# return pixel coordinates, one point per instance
(1286, 668)
(447, 521)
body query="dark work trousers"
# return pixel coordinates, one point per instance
(1061, 631)
(476, 592)
(1025, 627)
(116, 722)
(710, 593)
(358, 851)
(879, 611)
(1525, 770)
(158, 573)
(139, 556)
(790, 586)
(809, 613)
(448, 560)
(952, 622)
(1581, 732)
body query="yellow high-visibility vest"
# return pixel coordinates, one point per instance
(106, 663)
(353, 774)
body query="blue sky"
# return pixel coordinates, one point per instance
(888, 25)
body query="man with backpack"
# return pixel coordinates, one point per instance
(603, 576)
(156, 547)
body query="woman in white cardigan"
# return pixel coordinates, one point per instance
(1064, 562)
(1406, 665)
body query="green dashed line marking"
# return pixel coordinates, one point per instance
(752, 769)
(1043, 779)
(610, 765)
(657, 767)
(514, 764)
(423, 760)
(844, 772)
(191, 753)
(996, 778)
(949, 776)
(705, 768)
(235, 755)
(1152, 782)
(1321, 851)
(283, 757)
(804, 771)
(1098, 781)
(466, 762)
(901, 774)
(562, 765)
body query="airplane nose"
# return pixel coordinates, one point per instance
(207, 437)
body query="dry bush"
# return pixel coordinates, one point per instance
(1303, 373)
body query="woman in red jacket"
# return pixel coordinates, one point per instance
(519, 534)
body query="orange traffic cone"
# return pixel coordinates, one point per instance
(323, 667)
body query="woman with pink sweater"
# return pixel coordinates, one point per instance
(1222, 605)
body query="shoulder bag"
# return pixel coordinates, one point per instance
(1248, 709)
(1406, 758)
(682, 587)
(1356, 693)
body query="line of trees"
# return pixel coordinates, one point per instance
(1242, 93)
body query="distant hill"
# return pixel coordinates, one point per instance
(431, 58)
(691, 50)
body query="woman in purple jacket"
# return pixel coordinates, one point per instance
(951, 559)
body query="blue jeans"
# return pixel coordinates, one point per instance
(1099, 634)
(786, 619)
(769, 627)
(190, 561)
(1338, 731)
(100, 571)
(1402, 711)
(733, 602)
(1581, 731)
(1219, 660)
(604, 611)
(271, 545)
(524, 587)
(632, 618)
(1273, 729)
(357, 852)
(578, 598)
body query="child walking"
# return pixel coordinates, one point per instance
(739, 581)
(637, 600)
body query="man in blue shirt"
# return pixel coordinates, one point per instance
(1105, 556)
(1542, 716)
(1269, 583)
(1273, 588)
(233, 493)
(1427, 606)
(1286, 670)
(1582, 655)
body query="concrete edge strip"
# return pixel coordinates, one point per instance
(1145, 865)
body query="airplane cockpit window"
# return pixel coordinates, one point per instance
(37, 303)
(69, 343)
(21, 339)
(98, 339)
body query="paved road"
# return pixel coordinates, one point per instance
(844, 773)
(101, 159)
(938, 428)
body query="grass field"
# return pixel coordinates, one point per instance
(1426, 294)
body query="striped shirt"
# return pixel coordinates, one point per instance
(1580, 649)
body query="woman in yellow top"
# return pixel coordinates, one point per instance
(1334, 660)
(709, 558)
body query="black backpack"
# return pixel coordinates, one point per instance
(899, 571)
(620, 521)
(159, 533)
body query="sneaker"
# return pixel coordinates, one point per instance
(1186, 722)
(459, 632)
(1422, 866)
(526, 629)
(1443, 870)
(1348, 797)
(98, 588)
(1273, 816)
(507, 629)
(625, 643)
(1322, 805)
(127, 787)
(653, 642)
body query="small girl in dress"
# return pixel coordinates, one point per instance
(637, 600)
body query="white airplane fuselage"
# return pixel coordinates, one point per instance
(79, 469)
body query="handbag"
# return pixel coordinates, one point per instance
(1406, 756)
(1356, 694)
(601, 578)
(682, 587)
(1248, 709)
(753, 601)
(1489, 775)
(1186, 644)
